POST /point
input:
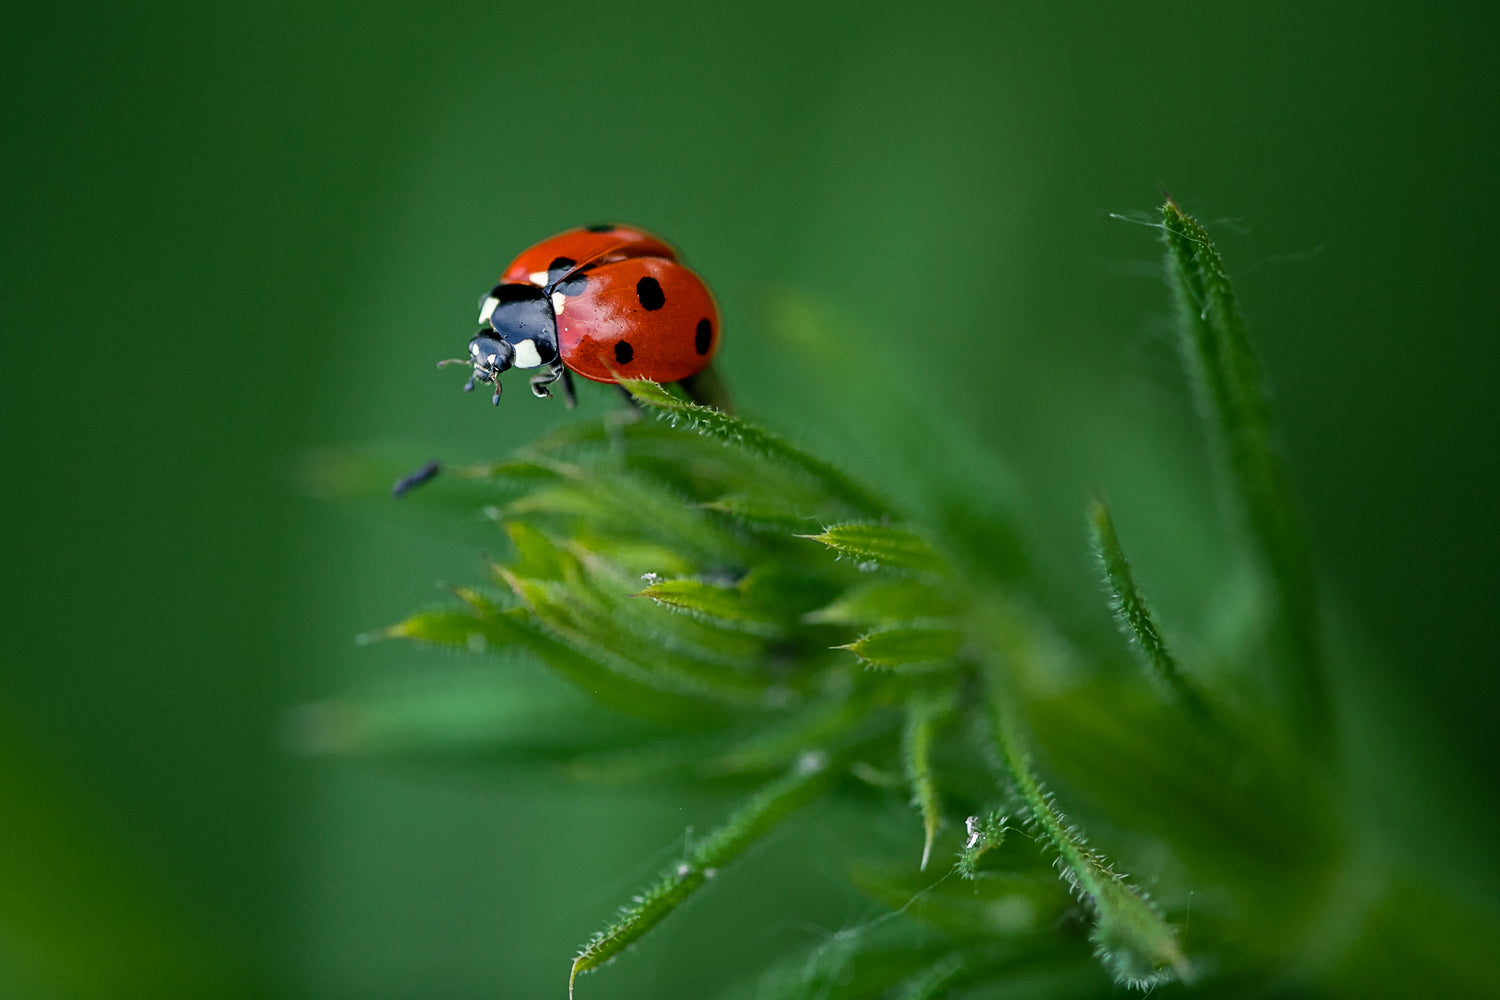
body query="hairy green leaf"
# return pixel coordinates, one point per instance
(908, 647)
(539, 557)
(1233, 397)
(753, 820)
(734, 431)
(726, 605)
(1134, 617)
(769, 513)
(871, 544)
(923, 716)
(1136, 945)
(587, 625)
(615, 506)
(615, 683)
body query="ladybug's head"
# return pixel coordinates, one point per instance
(490, 356)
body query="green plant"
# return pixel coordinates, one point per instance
(668, 568)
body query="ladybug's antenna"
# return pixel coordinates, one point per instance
(469, 385)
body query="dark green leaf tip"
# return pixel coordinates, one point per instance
(1232, 396)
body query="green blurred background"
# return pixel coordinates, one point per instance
(237, 232)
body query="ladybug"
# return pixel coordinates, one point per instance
(607, 302)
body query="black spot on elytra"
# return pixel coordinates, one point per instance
(573, 284)
(623, 352)
(704, 338)
(603, 227)
(648, 290)
(558, 268)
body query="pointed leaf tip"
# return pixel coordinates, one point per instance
(872, 545)
(907, 646)
(1133, 615)
(724, 606)
(922, 719)
(773, 803)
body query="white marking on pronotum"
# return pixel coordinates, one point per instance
(558, 298)
(487, 308)
(526, 355)
(539, 278)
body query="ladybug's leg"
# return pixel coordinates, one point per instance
(541, 380)
(569, 397)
